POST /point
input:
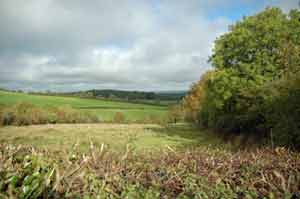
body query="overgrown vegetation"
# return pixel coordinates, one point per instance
(26, 172)
(28, 114)
(254, 89)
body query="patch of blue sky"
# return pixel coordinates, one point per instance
(234, 10)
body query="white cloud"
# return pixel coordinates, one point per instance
(76, 45)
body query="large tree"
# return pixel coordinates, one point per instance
(257, 53)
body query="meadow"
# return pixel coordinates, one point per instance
(127, 159)
(104, 109)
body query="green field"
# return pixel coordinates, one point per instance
(115, 136)
(104, 109)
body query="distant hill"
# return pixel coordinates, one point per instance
(162, 97)
(131, 95)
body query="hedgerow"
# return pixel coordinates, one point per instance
(27, 114)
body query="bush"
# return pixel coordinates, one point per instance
(7, 118)
(119, 117)
(283, 115)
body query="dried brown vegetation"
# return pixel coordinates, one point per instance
(26, 172)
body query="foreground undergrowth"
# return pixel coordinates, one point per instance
(27, 172)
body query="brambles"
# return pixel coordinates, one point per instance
(26, 172)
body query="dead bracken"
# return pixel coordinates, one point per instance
(27, 172)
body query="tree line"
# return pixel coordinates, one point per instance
(144, 97)
(254, 86)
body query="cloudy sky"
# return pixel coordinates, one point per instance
(67, 45)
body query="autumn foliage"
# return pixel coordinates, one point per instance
(254, 87)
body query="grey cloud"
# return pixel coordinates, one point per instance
(76, 45)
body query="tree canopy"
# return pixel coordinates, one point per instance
(255, 78)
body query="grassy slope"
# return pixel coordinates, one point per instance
(116, 136)
(104, 109)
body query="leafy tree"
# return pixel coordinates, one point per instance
(248, 56)
(254, 87)
(192, 101)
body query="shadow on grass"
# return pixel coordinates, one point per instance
(182, 130)
(189, 135)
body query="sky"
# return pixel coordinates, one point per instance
(150, 45)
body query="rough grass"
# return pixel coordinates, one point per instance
(26, 172)
(115, 136)
(103, 108)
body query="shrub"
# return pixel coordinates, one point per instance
(7, 117)
(119, 117)
(283, 113)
